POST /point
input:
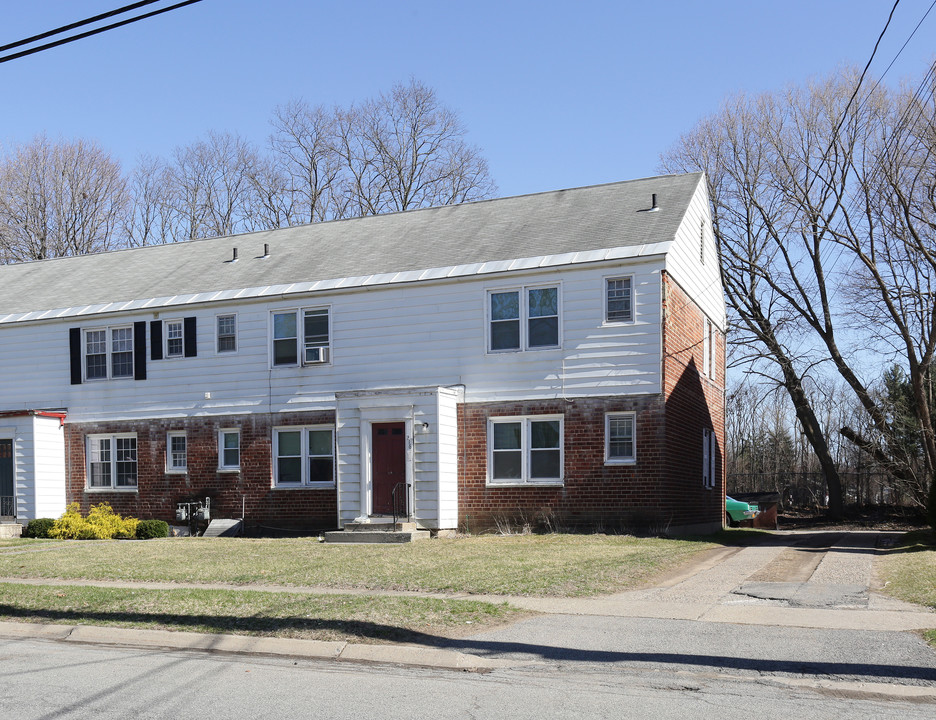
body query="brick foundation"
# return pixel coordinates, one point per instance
(250, 487)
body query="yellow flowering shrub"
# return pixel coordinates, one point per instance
(102, 523)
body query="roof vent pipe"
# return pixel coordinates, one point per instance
(266, 249)
(653, 204)
(234, 257)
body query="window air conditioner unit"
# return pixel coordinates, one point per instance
(316, 355)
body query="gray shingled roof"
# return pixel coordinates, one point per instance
(564, 221)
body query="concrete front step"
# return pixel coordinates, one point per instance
(11, 530)
(380, 526)
(375, 536)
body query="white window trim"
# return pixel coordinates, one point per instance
(708, 348)
(113, 487)
(525, 480)
(221, 466)
(303, 429)
(524, 317)
(165, 339)
(609, 460)
(170, 468)
(300, 336)
(108, 352)
(218, 351)
(604, 300)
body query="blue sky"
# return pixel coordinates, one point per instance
(555, 94)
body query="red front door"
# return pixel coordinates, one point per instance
(388, 465)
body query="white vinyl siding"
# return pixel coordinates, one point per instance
(424, 334)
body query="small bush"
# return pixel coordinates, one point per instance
(102, 523)
(147, 529)
(38, 528)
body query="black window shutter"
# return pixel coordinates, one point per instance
(74, 351)
(139, 350)
(156, 340)
(188, 337)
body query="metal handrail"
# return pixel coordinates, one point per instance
(395, 501)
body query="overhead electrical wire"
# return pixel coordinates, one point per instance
(89, 33)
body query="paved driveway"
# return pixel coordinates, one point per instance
(798, 579)
(803, 607)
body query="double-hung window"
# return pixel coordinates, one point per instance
(229, 449)
(304, 456)
(525, 450)
(620, 443)
(174, 339)
(523, 318)
(619, 299)
(176, 451)
(226, 333)
(301, 336)
(112, 462)
(108, 353)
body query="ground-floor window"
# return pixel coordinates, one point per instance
(304, 456)
(176, 451)
(112, 461)
(229, 449)
(619, 438)
(525, 449)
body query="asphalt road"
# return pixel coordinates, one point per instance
(41, 680)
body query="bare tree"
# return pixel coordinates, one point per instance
(212, 188)
(58, 199)
(823, 210)
(149, 221)
(305, 151)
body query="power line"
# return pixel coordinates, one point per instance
(89, 33)
(72, 26)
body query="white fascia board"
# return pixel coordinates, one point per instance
(407, 276)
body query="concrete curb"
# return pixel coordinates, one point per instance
(406, 655)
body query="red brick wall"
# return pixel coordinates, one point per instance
(159, 491)
(594, 495)
(693, 401)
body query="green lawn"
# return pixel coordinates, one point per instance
(353, 618)
(544, 565)
(909, 571)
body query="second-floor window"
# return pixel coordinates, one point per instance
(301, 337)
(619, 300)
(227, 333)
(174, 342)
(108, 353)
(524, 318)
